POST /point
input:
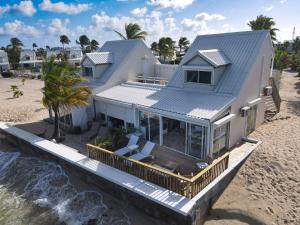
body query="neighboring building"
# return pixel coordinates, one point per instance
(4, 63)
(214, 98)
(28, 59)
(74, 55)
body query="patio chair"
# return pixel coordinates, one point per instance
(146, 152)
(131, 146)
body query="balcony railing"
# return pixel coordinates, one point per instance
(152, 80)
(187, 187)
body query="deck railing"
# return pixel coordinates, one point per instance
(187, 187)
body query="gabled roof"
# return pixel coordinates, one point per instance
(120, 50)
(215, 57)
(169, 101)
(99, 57)
(242, 48)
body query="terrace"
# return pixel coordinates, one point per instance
(169, 169)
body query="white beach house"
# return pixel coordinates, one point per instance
(4, 63)
(209, 102)
(73, 54)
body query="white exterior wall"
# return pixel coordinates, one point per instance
(123, 112)
(198, 61)
(79, 117)
(250, 91)
(98, 70)
(164, 70)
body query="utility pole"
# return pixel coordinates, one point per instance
(294, 31)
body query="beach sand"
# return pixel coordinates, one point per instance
(27, 108)
(267, 188)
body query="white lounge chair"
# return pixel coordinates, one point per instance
(131, 146)
(146, 152)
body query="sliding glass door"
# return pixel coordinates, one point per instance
(149, 126)
(197, 141)
(190, 139)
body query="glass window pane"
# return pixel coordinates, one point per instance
(198, 141)
(191, 76)
(219, 144)
(174, 133)
(154, 128)
(205, 77)
(144, 124)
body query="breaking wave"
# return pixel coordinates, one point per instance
(33, 191)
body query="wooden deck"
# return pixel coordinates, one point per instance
(159, 175)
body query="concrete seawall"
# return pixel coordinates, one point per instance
(168, 207)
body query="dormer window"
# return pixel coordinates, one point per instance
(201, 77)
(205, 67)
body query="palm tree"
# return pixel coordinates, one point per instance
(93, 45)
(62, 90)
(296, 45)
(14, 51)
(64, 40)
(83, 41)
(154, 47)
(166, 48)
(34, 45)
(133, 31)
(183, 43)
(264, 23)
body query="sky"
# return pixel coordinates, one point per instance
(42, 21)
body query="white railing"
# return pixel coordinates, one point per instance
(151, 80)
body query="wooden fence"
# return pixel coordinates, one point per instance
(187, 187)
(275, 93)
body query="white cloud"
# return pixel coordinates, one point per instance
(283, 1)
(156, 25)
(58, 27)
(18, 28)
(199, 22)
(269, 8)
(26, 8)
(209, 17)
(202, 23)
(139, 12)
(176, 4)
(61, 7)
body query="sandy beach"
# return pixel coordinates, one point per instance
(265, 191)
(27, 108)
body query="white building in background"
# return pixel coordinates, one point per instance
(74, 54)
(215, 97)
(4, 63)
(28, 59)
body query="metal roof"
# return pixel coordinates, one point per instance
(180, 102)
(99, 57)
(241, 48)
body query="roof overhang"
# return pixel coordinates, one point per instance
(214, 57)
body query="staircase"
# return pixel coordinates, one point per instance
(272, 101)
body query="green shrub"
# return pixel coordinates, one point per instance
(105, 143)
(7, 74)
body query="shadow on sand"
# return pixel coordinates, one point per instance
(233, 214)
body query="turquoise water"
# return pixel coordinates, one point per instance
(39, 192)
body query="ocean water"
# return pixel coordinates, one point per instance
(33, 191)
